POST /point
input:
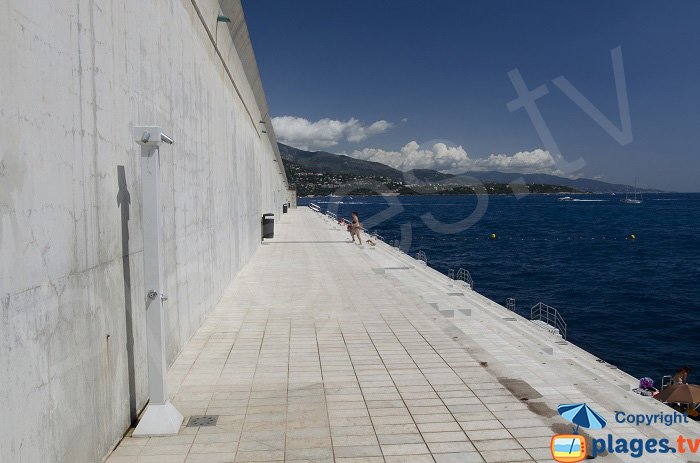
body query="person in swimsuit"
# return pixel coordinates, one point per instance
(681, 376)
(355, 228)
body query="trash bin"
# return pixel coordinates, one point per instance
(268, 225)
(284, 208)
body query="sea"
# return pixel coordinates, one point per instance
(625, 278)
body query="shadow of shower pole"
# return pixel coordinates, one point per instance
(124, 202)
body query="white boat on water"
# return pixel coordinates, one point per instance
(566, 198)
(634, 200)
(631, 201)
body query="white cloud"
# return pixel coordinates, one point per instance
(455, 159)
(304, 134)
(523, 162)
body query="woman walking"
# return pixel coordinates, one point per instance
(356, 226)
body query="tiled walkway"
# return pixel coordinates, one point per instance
(324, 351)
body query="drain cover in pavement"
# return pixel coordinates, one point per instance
(202, 420)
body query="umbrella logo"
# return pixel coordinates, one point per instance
(571, 448)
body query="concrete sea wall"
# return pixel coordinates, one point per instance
(76, 76)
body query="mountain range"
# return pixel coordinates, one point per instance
(330, 163)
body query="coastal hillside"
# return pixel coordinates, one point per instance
(321, 172)
(582, 184)
(329, 163)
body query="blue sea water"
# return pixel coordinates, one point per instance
(633, 303)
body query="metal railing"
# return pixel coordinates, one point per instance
(510, 304)
(331, 215)
(314, 207)
(464, 275)
(549, 315)
(666, 381)
(420, 255)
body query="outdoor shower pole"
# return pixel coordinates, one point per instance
(161, 418)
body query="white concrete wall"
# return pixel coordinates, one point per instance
(76, 76)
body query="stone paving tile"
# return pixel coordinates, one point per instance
(352, 431)
(277, 455)
(357, 451)
(210, 458)
(497, 444)
(161, 459)
(439, 427)
(127, 451)
(510, 455)
(359, 460)
(392, 419)
(172, 449)
(478, 417)
(313, 453)
(254, 446)
(538, 431)
(214, 447)
(545, 454)
(425, 458)
(395, 429)
(434, 418)
(450, 447)
(490, 434)
(458, 457)
(535, 442)
(222, 437)
(355, 441)
(404, 449)
(453, 436)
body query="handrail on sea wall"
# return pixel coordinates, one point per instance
(462, 275)
(420, 255)
(549, 315)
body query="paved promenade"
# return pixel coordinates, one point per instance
(324, 351)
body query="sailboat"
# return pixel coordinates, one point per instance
(634, 200)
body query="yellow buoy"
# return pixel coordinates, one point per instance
(632, 237)
(493, 236)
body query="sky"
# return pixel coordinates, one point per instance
(595, 89)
